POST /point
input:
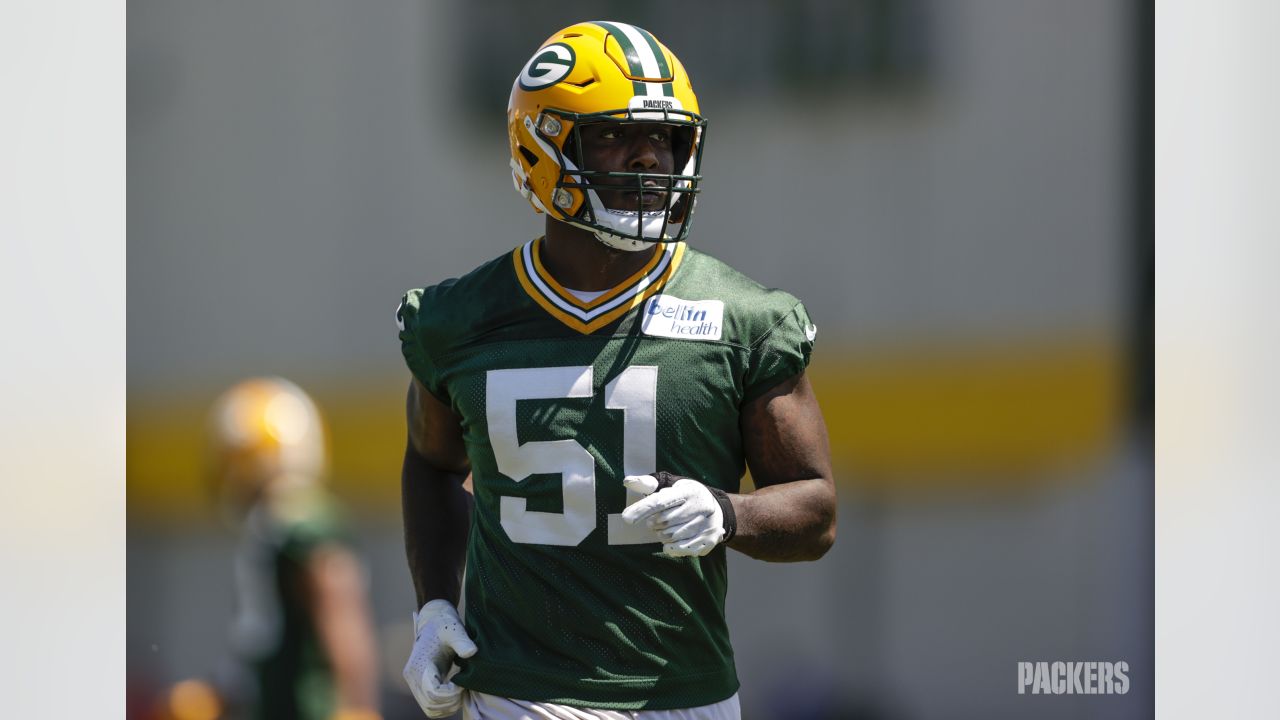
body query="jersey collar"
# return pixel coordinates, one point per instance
(587, 317)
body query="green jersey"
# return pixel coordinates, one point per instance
(561, 398)
(273, 632)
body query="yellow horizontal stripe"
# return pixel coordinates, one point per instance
(915, 420)
(929, 417)
(165, 450)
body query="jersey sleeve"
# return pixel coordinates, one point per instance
(308, 521)
(782, 352)
(414, 342)
(302, 539)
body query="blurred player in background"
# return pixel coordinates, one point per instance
(303, 628)
(606, 386)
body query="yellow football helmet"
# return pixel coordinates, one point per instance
(264, 433)
(603, 72)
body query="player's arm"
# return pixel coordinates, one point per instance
(435, 503)
(338, 599)
(791, 515)
(437, 512)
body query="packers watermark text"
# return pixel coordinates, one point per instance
(1073, 678)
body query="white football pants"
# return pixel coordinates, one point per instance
(479, 706)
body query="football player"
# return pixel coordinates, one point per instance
(605, 385)
(303, 628)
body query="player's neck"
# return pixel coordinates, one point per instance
(577, 260)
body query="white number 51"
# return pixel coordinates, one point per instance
(634, 392)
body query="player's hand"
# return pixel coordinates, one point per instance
(439, 638)
(689, 517)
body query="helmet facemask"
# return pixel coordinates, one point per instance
(558, 134)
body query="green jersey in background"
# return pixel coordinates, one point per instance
(273, 631)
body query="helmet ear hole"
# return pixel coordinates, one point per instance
(681, 145)
(528, 155)
(570, 150)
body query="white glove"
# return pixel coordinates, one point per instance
(439, 638)
(688, 516)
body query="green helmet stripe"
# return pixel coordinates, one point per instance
(628, 49)
(663, 68)
(637, 54)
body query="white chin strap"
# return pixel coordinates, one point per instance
(627, 222)
(621, 243)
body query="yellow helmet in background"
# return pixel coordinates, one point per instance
(265, 433)
(603, 72)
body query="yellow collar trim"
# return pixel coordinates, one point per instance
(586, 318)
(608, 295)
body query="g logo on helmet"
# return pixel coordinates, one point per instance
(547, 67)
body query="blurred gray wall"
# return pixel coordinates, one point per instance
(295, 165)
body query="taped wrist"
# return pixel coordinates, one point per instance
(726, 507)
(666, 480)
